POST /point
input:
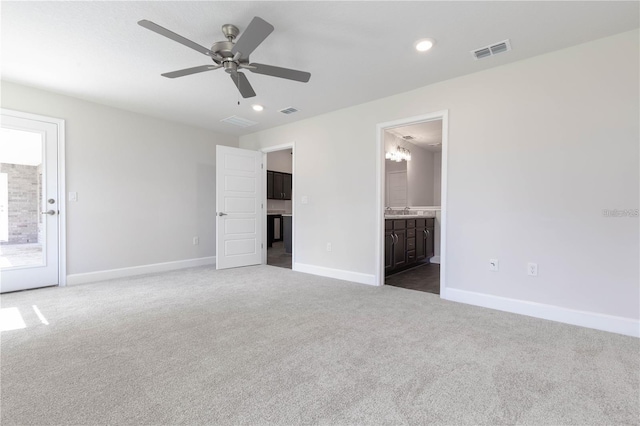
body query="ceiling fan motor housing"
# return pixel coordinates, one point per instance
(230, 67)
(223, 50)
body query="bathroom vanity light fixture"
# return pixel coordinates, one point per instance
(399, 154)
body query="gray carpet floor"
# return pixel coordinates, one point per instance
(265, 345)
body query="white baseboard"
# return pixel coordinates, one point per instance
(620, 325)
(340, 274)
(435, 259)
(110, 274)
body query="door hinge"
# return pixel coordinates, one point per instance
(261, 245)
(262, 165)
(262, 206)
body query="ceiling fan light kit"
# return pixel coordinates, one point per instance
(232, 55)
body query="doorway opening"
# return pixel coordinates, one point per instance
(412, 202)
(279, 169)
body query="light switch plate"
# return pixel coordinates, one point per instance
(304, 200)
(73, 196)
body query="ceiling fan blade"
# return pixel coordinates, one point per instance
(243, 85)
(175, 37)
(257, 30)
(189, 71)
(287, 73)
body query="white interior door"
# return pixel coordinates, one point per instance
(28, 204)
(239, 189)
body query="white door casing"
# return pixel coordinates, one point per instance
(239, 191)
(4, 207)
(44, 270)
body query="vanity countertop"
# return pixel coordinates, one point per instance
(410, 216)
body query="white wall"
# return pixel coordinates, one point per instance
(280, 161)
(145, 186)
(537, 149)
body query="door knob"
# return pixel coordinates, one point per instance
(49, 212)
(222, 214)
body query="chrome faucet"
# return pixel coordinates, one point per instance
(405, 210)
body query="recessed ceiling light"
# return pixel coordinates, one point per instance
(257, 107)
(424, 44)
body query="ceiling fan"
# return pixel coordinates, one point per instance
(232, 55)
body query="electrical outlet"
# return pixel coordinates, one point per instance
(196, 241)
(532, 269)
(493, 265)
(328, 246)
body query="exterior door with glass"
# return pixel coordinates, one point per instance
(29, 203)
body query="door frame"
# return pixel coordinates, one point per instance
(380, 191)
(62, 217)
(265, 151)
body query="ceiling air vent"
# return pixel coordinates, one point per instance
(494, 49)
(408, 138)
(238, 121)
(289, 110)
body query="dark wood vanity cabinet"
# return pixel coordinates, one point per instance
(407, 243)
(389, 239)
(425, 247)
(279, 185)
(395, 253)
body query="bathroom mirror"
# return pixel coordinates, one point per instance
(414, 182)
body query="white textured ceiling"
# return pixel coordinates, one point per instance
(426, 135)
(355, 51)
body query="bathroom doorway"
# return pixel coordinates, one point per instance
(412, 202)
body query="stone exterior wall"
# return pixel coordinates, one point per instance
(24, 195)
